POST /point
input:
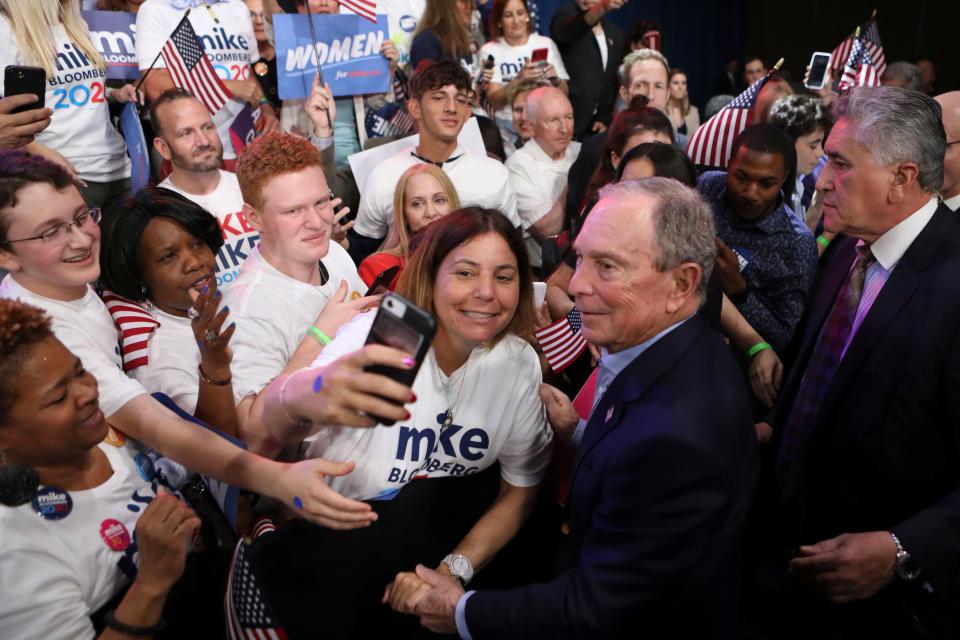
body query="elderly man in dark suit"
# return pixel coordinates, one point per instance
(868, 424)
(665, 467)
(591, 48)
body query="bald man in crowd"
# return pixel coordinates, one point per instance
(538, 170)
(950, 191)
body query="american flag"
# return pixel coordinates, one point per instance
(870, 36)
(249, 616)
(711, 144)
(135, 325)
(190, 67)
(562, 342)
(859, 70)
(365, 8)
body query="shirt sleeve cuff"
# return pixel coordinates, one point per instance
(461, 616)
(322, 144)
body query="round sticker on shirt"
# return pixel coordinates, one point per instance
(114, 534)
(114, 437)
(145, 466)
(408, 23)
(52, 503)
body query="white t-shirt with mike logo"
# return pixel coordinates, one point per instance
(497, 415)
(80, 128)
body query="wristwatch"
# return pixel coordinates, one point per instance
(460, 567)
(904, 568)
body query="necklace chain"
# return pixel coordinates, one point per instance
(445, 387)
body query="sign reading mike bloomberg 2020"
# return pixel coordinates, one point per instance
(348, 50)
(113, 35)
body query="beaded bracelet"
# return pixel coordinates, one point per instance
(220, 383)
(138, 632)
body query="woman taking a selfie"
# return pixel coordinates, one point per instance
(477, 403)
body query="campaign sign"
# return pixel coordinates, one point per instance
(136, 146)
(113, 34)
(348, 50)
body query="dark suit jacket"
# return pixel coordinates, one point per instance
(660, 487)
(885, 450)
(593, 87)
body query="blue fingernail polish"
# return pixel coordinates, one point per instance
(297, 502)
(318, 384)
(226, 307)
(232, 325)
(205, 289)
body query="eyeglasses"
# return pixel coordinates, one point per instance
(58, 232)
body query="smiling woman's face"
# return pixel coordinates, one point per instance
(174, 262)
(477, 290)
(56, 415)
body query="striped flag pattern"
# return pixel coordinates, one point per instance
(135, 325)
(364, 8)
(859, 70)
(562, 342)
(190, 67)
(870, 36)
(249, 616)
(712, 143)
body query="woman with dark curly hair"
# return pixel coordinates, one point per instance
(87, 539)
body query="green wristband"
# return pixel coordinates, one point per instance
(757, 348)
(823, 241)
(319, 336)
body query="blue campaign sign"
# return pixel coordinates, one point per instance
(348, 50)
(136, 146)
(112, 33)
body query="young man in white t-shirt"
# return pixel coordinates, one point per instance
(188, 140)
(50, 244)
(440, 104)
(297, 287)
(226, 33)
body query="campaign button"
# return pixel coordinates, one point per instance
(114, 534)
(52, 503)
(145, 466)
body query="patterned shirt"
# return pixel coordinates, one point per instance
(778, 259)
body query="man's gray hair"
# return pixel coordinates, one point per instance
(903, 74)
(897, 125)
(639, 56)
(535, 101)
(682, 223)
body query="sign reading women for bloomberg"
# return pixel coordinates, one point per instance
(348, 50)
